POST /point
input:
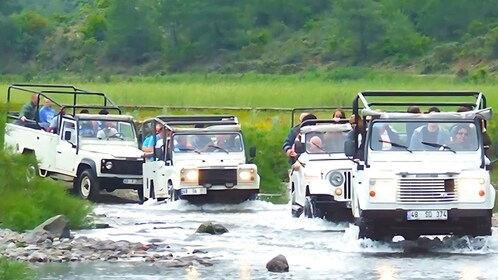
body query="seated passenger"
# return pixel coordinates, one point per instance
(382, 137)
(148, 143)
(181, 143)
(429, 133)
(29, 111)
(108, 131)
(54, 124)
(315, 145)
(461, 139)
(46, 114)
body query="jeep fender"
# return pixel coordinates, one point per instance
(86, 163)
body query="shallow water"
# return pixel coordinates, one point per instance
(258, 231)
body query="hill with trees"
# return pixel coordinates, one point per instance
(233, 36)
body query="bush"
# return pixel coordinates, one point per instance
(267, 136)
(10, 270)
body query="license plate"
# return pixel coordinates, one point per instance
(427, 215)
(193, 191)
(132, 181)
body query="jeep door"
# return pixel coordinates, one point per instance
(66, 148)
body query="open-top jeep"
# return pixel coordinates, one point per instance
(93, 151)
(320, 180)
(421, 174)
(200, 159)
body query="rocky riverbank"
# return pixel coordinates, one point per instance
(53, 242)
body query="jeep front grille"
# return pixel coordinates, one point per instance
(347, 184)
(123, 167)
(427, 190)
(217, 176)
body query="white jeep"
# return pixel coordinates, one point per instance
(203, 161)
(431, 180)
(78, 153)
(320, 180)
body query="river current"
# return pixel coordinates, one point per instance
(258, 231)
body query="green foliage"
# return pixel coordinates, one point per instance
(265, 36)
(267, 136)
(11, 270)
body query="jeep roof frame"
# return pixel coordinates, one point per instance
(302, 109)
(49, 90)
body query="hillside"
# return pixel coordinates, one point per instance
(232, 36)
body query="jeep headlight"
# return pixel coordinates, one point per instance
(471, 189)
(108, 165)
(336, 178)
(246, 175)
(382, 190)
(189, 176)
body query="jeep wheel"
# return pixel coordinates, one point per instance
(31, 172)
(296, 210)
(88, 186)
(140, 192)
(310, 209)
(173, 194)
(370, 231)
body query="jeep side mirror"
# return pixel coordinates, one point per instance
(349, 148)
(299, 147)
(67, 135)
(252, 152)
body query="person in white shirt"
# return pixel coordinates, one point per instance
(107, 131)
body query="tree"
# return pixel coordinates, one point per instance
(131, 34)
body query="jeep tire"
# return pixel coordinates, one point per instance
(87, 185)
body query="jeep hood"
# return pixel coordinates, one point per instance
(114, 151)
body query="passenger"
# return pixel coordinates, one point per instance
(227, 142)
(486, 140)
(87, 127)
(291, 137)
(29, 111)
(46, 114)
(334, 141)
(411, 126)
(54, 124)
(461, 138)
(315, 145)
(181, 143)
(101, 124)
(338, 114)
(108, 131)
(429, 133)
(148, 143)
(464, 108)
(383, 135)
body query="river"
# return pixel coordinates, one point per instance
(258, 231)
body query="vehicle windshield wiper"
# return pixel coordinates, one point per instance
(189, 149)
(318, 146)
(219, 148)
(396, 145)
(436, 145)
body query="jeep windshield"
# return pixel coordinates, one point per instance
(325, 142)
(449, 136)
(106, 130)
(207, 143)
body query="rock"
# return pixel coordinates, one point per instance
(37, 256)
(278, 264)
(155, 240)
(36, 236)
(101, 226)
(57, 226)
(211, 228)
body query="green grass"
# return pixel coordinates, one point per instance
(11, 270)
